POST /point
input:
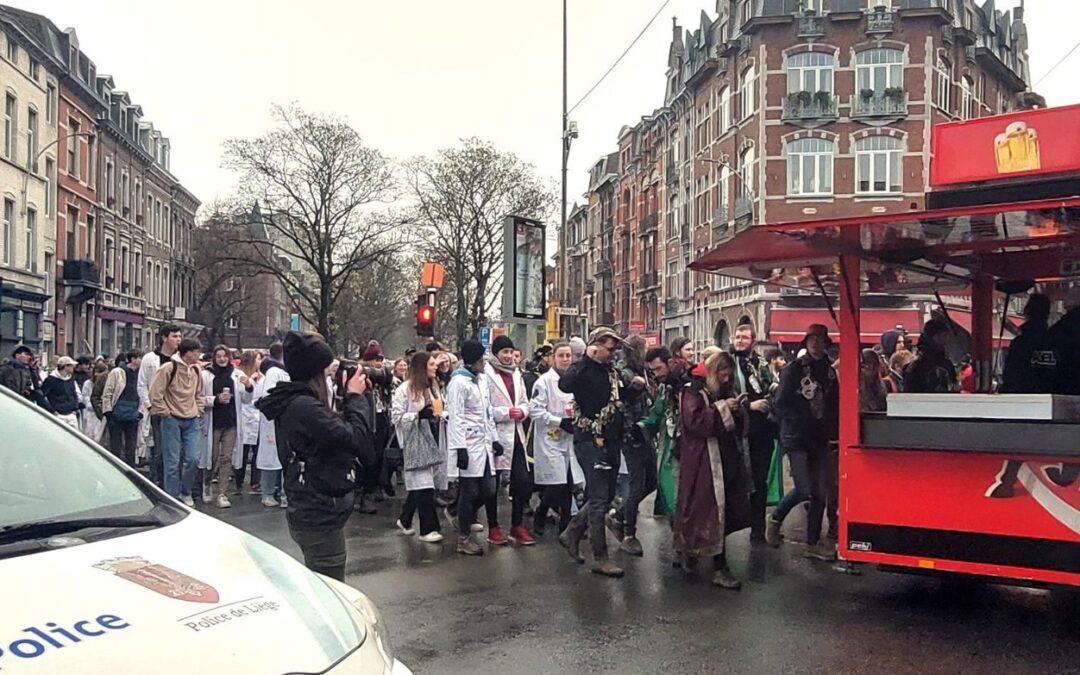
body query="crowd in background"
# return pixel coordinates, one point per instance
(577, 436)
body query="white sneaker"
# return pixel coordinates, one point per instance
(187, 500)
(431, 538)
(222, 502)
(269, 501)
(284, 502)
(407, 531)
(476, 527)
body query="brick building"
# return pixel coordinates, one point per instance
(780, 111)
(117, 259)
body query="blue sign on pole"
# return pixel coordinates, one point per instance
(484, 336)
(294, 322)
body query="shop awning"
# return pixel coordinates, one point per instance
(789, 324)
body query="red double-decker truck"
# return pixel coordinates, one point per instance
(921, 485)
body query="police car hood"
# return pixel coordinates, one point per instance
(195, 596)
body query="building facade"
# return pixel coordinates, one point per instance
(29, 77)
(782, 111)
(116, 258)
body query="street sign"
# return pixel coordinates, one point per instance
(484, 336)
(566, 311)
(637, 326)
(652, 339)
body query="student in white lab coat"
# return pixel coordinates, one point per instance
(473, 442)
(267, 461)
(247, 428)
(556, 469)
(225, 389)
(510, 408)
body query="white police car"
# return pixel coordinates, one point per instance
(101, 572)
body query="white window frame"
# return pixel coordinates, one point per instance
(50, 102)
(31, 138)
(31, 238)
(876, 155)
(943, 77)
(747, 82)
(12, 51)
(879, 69)
(817, 67)
(50, 186)
(725, 110)
(9, 231)
(11, 128)
(810, 163)
(747, 159)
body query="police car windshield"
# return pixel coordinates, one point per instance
(50, 474)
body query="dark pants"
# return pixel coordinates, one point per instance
(761, 450)
(810, 471)
(555, 497)
(250, 452)
(421, 502)
(641, 467)
(521, 484)
(599, 490)
(324, 552)
(123, 437)
(157, 464)
(371, 476)
(472, 493)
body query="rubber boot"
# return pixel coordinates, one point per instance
(570, 538)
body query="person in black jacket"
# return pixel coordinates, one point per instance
(319, 450)
(932, 372)
(598, 433)
(808, 406)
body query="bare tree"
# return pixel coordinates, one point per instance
(461, 196)
(319, 187)
(377, 302)
(218, 297)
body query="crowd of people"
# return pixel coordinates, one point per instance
(578, 436)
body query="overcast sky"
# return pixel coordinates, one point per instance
(415, 75)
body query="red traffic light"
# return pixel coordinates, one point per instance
(423, 315)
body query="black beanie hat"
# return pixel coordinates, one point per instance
(500, 343)
(471, 352)
(306, 355)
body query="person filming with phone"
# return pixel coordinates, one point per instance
(319, 450)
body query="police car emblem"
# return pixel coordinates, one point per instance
(160, 579)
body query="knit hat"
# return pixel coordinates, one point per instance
(500, 343)
(577, 347)
(372, 351)
(306, 355)
(471, 352)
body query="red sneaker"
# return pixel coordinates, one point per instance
(496, 537)
(520, 536)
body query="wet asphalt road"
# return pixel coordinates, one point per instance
(533, 610)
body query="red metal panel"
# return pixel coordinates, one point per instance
(789, 325)
(1024, 143)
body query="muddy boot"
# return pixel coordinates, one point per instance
(722, 577)
(772, 532)
(631, 546)
(605, 567)
(469, 546)
(570, 538)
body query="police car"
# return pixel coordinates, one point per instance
(101, 572)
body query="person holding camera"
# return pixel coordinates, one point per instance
(318, 449)
(473, 442)
(420, 427)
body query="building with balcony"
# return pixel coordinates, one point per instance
(782, 111)
(29, 75)
(118, 255)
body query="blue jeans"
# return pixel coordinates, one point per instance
(270, 482)
(180, 438)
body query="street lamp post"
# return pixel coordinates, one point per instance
(569, 133)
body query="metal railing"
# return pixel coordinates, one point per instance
(886, 103)
(808, 106)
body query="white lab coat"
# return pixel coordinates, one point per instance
(247, 428)
(403, 411)
(552, 457)
(150, 363)
(470, 424)
(501, 402)
(240, 394)
(267, 458)
(91, 425)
